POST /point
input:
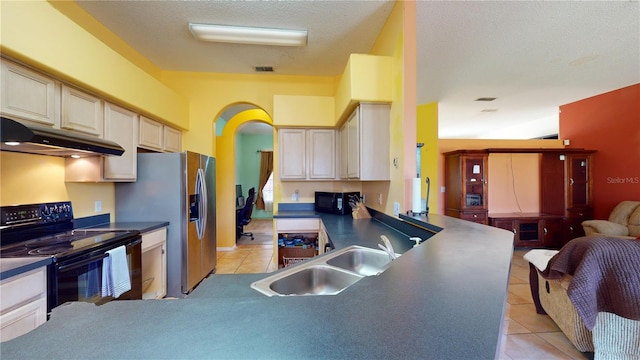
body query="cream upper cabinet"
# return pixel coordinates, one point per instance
(292, 148)
(307, 154)
(367, 148)
(171, 140)
(29, 95)
(343, 151)
(322, 153)
(81, 112)
(156, 136)
(121, 126)
(151, 133)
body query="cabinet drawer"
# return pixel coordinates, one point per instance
(23, 319)
(153, 238)
(479, 217)
(22, 288)
(297, 225)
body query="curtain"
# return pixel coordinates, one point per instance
(266, 168)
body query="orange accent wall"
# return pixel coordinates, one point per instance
(609, 123)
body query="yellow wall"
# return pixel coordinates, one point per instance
(366, 78)
(37, 34)
(210, 93)
(29, 179)
(308, 111)
(427, 133)
(397, 42)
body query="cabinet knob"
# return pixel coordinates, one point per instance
(475, 215)
(514, 231)
(571, 181)
(545, 230)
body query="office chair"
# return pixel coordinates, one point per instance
(243, 217)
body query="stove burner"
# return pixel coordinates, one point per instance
(52, 249)
(18, 250)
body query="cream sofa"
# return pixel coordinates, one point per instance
(623, 221)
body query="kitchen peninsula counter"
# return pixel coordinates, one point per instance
(443, 299)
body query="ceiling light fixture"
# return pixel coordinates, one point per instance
(248, 35)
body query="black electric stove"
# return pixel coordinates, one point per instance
(46, 230)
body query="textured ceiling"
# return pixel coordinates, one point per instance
(533, 56)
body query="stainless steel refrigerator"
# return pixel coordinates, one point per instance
(179, 188)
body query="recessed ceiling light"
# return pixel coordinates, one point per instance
(485, 99)
(488, 110)
(248, 35)
(12, 143)
(75, 156)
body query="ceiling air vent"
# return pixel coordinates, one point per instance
(264, 68)
(485, 99)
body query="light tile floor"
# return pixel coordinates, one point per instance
(526, 335)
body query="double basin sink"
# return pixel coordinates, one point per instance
(325, 275)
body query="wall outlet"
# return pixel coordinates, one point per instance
(295, 196)
(98, 205)
(379, 199)
(363, 199)
(396, 208)
(442, 189)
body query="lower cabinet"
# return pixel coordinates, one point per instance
(531, 230)
(154, 264)
(299, 239)
(23, 303)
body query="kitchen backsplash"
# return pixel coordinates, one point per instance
(28, 179)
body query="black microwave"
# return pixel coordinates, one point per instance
(333, 202)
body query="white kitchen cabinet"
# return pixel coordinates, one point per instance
(151, 133)
(171, 139)
(156, 136)
(307, 154)
(297, 226)
(29, 95)
(23, 303)
(367, 143)
(322, 154)
(154, 264)
(121, 127)
(81, 112)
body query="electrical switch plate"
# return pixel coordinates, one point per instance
(98, 205)
(379, 199)
(396, 208)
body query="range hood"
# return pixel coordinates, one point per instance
(26, 138)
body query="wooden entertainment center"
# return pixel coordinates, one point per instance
(565, 195)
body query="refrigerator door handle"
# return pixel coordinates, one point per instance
(201, 191)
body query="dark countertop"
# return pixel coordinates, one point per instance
(15, 266)
(443, 299)
(143, 227)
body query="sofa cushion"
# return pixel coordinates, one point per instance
(634, 222)
(592, 227)
(622, 211)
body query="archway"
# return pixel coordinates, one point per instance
(225, 174)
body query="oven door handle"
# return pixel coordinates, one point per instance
(75, 265)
